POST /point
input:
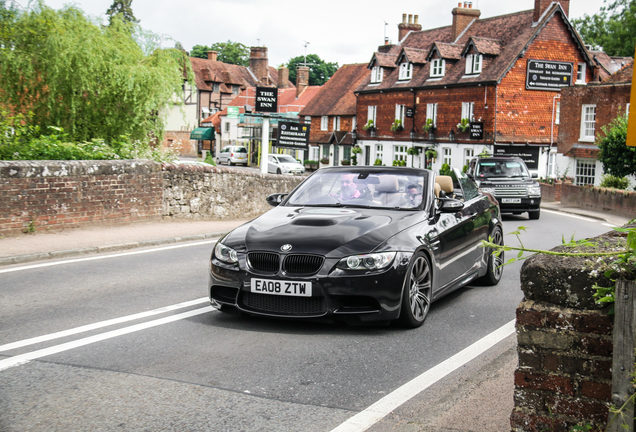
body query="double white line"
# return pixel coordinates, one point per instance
(24, 358)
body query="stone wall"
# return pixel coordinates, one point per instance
(207, 192)
(600, 199)
(565, 344)
(55, 195)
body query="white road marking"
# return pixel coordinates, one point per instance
(25, 358)
(100, 324)
(115, 255)
(570, 215)
(367, 418)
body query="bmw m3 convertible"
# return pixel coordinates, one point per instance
(359, 243)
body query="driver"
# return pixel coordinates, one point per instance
(414, 194)
(348, 189)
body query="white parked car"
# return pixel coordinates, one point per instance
(283, 164)
(232, 155)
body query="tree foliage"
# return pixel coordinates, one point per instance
(613, 28)
(617, 158)
(227, 52)
(122, 8)
(319, 70)
(93, 81)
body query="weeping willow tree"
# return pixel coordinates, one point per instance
(94, 81)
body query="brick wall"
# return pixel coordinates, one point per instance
(55, 195)
(44, 195)
(599, 199)
(564, 374)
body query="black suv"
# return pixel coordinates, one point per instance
(508, 180)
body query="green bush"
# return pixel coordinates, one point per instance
(610, 181)
(445, 170)
(209, 159)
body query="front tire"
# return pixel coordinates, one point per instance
(494, 269)
(417, 292)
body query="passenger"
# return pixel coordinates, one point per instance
(414, 195)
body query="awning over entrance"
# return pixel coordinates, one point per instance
(203, 133)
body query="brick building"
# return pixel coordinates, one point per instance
(332, 113)
(216, 84)
(587, 110)
(477, 84)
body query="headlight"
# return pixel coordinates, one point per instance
(374, 261)
(488, 190)
(534, 191)
(225, 254)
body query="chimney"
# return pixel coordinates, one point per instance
(258, 64)
(406, 26)
(463, 15)
(283, 77)
(302, 79)
(212, 55)
(540, 7)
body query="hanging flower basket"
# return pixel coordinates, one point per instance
(463, 125)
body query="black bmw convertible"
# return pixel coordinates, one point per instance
(359, 243)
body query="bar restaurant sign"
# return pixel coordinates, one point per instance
(293, 135)
(548, 75)
(266, 100)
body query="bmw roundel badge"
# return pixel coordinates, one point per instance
(286, 247)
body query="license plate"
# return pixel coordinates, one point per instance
(281, 287)
(511, 200)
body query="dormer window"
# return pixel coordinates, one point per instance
(438, 67)
(473, 64)
(406, 70)
(376, 74)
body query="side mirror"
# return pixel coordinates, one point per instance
(450, 205)
(535, 175)
(275, 199)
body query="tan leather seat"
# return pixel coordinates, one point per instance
(446, 184)
(389, 191)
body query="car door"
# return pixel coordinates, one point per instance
(272, 164)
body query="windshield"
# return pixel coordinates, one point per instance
(343, 188)
(504, 168)
(286, 159)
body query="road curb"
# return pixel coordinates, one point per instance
(70, 253)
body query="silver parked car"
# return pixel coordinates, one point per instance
(283, 164)
(232, 155)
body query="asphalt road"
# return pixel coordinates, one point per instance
(192, 368)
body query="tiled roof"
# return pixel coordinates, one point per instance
(413, 55)
(384, 59)
(336, 95)
(447, 50)
(207, 72)
(503, 38)
(623, 76)
(609, 65)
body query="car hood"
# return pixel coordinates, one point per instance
(506, 181)
(291, 165)
(330, 231)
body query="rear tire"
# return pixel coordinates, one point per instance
(417, 292)
(494, 269)
(229, 162)
(534, 215)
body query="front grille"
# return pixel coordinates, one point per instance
(510, 192)
(302, 264)
(285, 305)
(264, 261)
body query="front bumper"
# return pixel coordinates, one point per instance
(358, 296)
(526, 205)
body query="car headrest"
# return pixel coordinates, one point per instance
(445, 183)
(388, 183)
(438, 189)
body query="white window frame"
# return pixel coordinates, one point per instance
(372, 111)
(431, 113)
(474, 64)
(580, 73)
(406, 71)
(324, 123)
(438, 68)
(467, 110)
(377, 74)
(627, 110)
(585, 172)
(447, 156)
(399, 152)
(336, 123)
(399, 113)
(588, 123)
(379, 152)
(557, 113)
(552, 165)
(469, 153)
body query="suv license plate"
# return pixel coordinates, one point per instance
(281, 287)
(511, 200)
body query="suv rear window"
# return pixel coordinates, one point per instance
(239, 150)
